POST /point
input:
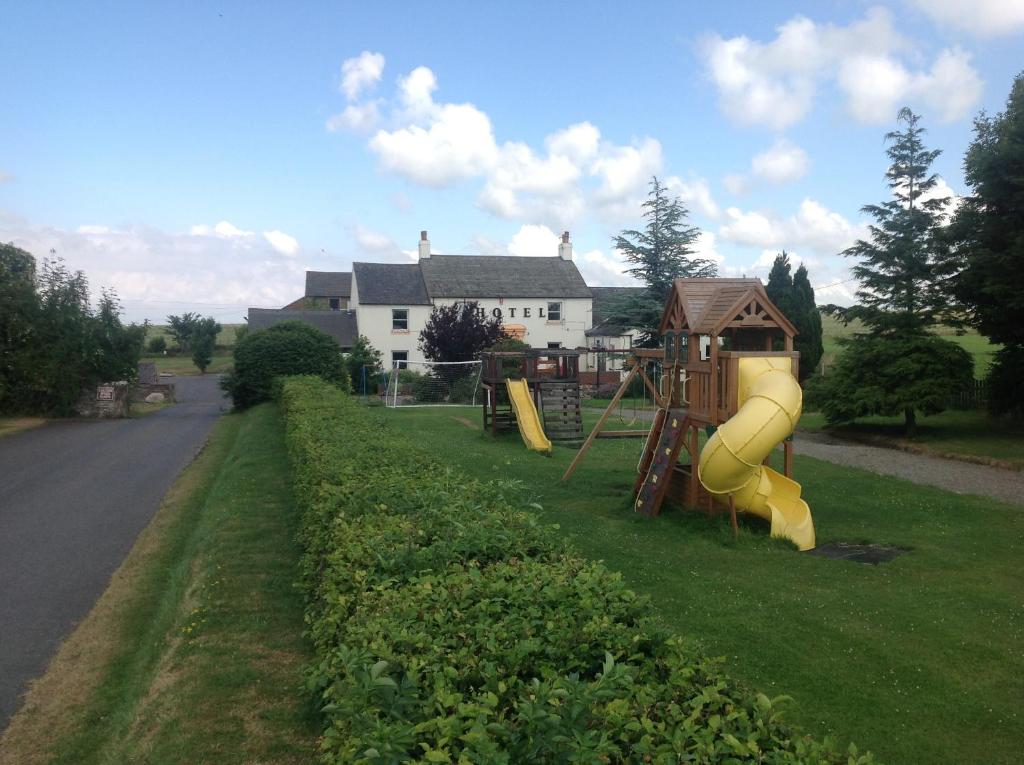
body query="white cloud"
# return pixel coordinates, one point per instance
(282, 242)
(223, 230)
(695, 194)
(437, 144)
(735, 183)
(813, 226)
(381, 246)
(534, 241)
(356, 117)
(985, 18)
(361, 73)
(156, 272)
(784, 162)
(456, 144)
(774, 84)
(877, 86)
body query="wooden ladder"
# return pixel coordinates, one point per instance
(661, 451)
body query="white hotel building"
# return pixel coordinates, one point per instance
(540, 300)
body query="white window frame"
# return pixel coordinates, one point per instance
(395, 319)
(557, 312)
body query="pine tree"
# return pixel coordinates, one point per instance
(987, 261)
(780, 285)
(899, 291)
(658, 255)
(890, 368)
(808, 324)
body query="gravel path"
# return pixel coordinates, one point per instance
(951, 475)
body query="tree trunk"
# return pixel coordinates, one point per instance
(910, 422)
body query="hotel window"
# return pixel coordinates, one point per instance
(554, 346)
(399, 319)
(400, 359)
(554, 311)
(335, 304)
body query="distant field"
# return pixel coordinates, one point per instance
(225, 339)
(979, 347)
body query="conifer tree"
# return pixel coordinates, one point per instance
(808, 323)
(658, 255)
(987, 261)
(897, 365)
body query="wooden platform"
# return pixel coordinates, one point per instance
(560, 405)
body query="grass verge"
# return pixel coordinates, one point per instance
(968, 435)
(194, 652)
(918, 660)
(11, 425)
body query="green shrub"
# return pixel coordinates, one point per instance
(449, 626)
(157, 344)
(428, 389)
(288, 348)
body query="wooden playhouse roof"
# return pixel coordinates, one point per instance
(709, 306)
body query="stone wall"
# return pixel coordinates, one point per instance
(105, 400)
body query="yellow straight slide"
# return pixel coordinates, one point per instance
(527, 417)
(770, 401)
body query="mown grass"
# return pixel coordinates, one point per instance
(970, 434)
(918, 659)
(225, 338)
(203, 642)
(979, 347)
(182, 365)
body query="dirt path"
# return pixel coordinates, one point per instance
(952, 475)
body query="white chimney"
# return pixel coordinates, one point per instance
(565, 247)
(424, 246)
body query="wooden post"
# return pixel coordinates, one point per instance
(694, 486)
(787, 458)
(597, 428)
(714, 379)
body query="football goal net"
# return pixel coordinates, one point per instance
(434, 383)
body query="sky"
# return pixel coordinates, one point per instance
(202, 156)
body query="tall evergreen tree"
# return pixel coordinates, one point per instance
(808, 324)
(897, 365)
(794, 296)
(987, 263)
(658, 255)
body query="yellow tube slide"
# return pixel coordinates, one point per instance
(527, 417)
(770, 400)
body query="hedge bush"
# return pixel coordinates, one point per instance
(450, 626)
(288, 348)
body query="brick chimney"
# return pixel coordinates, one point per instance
(565, 247)
(424, 246)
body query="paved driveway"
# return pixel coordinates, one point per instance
(74, 496)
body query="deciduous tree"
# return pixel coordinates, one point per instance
(458, 333)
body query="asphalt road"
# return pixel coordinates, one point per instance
(74, 496)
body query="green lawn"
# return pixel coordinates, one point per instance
(182, 365)
(919, 659)
(969, 433)
(225, 338)
(194, 654)
(979, 347)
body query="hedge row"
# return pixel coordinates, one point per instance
(450, 626)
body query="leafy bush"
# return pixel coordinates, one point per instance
(428, 389)
(449, 626)
(288, 348)
(157, 344)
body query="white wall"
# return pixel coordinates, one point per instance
(375, 325)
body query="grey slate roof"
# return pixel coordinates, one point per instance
(604, 299)
(328, 284)
(390, 284)
(341, 325)
(490, 276)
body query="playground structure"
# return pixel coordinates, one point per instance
(744, 396)
(523, 386)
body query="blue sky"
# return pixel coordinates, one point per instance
(202, 156)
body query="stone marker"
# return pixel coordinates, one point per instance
(155, 398)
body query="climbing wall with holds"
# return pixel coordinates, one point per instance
(660, 455)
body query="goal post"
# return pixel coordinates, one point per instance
(434, 383)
